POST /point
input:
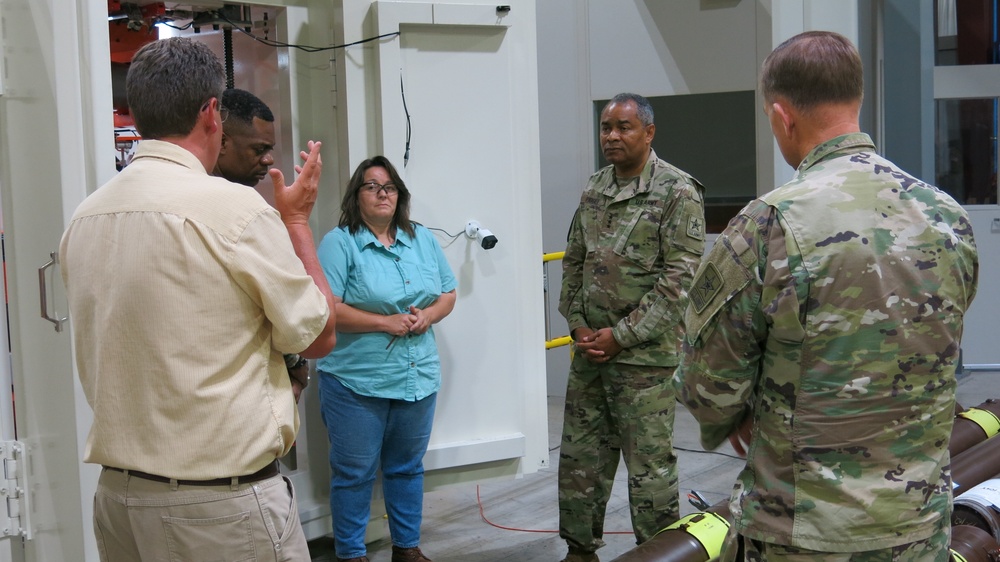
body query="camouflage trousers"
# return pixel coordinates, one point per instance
(931, 549)
(613, 410)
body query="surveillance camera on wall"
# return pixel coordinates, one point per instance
(483, 236)
(486, 239)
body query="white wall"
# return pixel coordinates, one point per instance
(658, 48)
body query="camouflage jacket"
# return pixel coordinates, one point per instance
(630, 257)
(830, 311)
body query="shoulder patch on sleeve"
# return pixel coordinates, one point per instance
(695, 227)
(688, 227)
(705, 287)
(720, 276)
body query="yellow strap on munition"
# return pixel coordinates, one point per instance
(984, 419)
(707, 528)
(956, 556)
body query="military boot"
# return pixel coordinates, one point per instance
(360, 559)
(408, 555)
(575, 555)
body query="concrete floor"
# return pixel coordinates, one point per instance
(523, 513)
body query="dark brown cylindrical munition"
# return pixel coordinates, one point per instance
(970, 544)
(975, 425)
(975, 507)
(695, 538)
(976, 465)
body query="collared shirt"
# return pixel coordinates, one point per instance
(631, 253)
(831, 310)
(370, 277)
(184, 290)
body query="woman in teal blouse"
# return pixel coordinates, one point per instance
(378, 386)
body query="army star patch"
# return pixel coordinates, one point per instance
(705, 287)
(696, 228)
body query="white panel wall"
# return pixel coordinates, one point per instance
(657, 48)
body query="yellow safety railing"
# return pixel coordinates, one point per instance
(551, 342)
(558, 342)
(553, 256)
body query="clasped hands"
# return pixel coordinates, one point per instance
(416, 321)
(597, 346)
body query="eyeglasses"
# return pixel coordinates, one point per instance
(374, 187)
(223, 111)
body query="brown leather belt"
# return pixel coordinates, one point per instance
(262, 474)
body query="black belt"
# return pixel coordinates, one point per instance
(262, 474)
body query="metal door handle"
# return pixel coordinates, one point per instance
(43, 292)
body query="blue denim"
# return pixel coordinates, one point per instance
(366, 433)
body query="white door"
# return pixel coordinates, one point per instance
(48, 157)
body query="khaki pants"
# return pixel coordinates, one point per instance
(141, 520)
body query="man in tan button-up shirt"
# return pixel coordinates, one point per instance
(184, 292)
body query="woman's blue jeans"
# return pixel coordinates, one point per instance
(365, 433)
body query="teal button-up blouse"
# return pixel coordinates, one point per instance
(370, 277)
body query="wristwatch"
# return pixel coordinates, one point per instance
(293, 362)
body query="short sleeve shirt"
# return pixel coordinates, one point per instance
(370, 277)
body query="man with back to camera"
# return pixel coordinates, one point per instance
(184, 290)
(824, 331)
(632, 250)
(246, 154)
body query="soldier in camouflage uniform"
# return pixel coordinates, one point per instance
(824, 330)
(632, 249)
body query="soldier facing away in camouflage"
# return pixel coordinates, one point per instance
(824, 330)
(632, 249)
